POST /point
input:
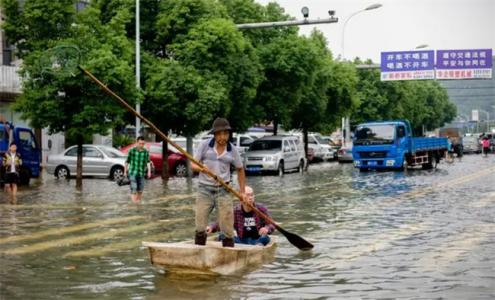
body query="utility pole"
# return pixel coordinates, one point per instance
(138, 68)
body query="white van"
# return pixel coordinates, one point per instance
(321, 149)
(275, 154)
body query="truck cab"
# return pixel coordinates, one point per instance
(390, 144)
(27, 147)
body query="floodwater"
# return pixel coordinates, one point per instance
(415, 235)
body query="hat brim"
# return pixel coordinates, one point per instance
(223, 128)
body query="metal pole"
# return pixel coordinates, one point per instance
(138, 68)
(286, 23)
(343, 31)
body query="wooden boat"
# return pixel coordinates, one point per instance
(209, 259)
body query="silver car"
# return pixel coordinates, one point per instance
(275, 153)
(98, 160)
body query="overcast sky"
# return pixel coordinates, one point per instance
(400, 25)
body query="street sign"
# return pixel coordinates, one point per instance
(464, 64)
(407, 65)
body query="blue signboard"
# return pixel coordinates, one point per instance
(464, 64)
(407, 65)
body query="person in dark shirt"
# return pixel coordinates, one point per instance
(249, 227)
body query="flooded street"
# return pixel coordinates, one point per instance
(415, 235)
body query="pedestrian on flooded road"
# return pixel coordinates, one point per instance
(249, 228)
(485, 143)
(217, 155)
(12, 163)
(136, 166)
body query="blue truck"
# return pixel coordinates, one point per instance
(391, 145)
(26, 146)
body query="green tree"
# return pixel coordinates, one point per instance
(217, 50)
(196, 65)
(330, 95)
(422, 102)
(67, 103)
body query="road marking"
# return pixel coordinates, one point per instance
(135, 243)
(81, 239)
(68, 229)
(445, 254)
(343, 256)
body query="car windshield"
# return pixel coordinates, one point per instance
(265, 145)
(321, 140)
(112, 152)
(374, 134)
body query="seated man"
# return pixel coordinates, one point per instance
(249, 227)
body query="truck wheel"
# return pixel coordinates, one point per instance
(62, 172)
(405, 165)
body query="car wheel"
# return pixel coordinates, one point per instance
(62, 172)
(281, 169)
(181, 169)
(117, 173)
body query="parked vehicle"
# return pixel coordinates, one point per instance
(176, 161)
(471, 144)
(334, 145)
(390, 144)
(27, 147)
(344, 154)
(98, 160)
(276, 154)
(321, 148)
(242, 141)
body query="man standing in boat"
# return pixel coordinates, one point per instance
(250, 228)
(217, 155)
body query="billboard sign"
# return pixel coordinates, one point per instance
(407, 65)
(464, 64)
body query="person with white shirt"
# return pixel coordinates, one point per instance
(217, 155)
(12, 163)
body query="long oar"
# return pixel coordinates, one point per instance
(64, 60)
(294, 239)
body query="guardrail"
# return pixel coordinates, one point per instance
(10, 81)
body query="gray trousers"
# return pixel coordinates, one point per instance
(210, 197)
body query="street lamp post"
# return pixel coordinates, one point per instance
(345, 120)
(371, 7)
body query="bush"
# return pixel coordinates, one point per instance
(120, 140)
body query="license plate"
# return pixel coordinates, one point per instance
(372, 163)
(253, 169)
